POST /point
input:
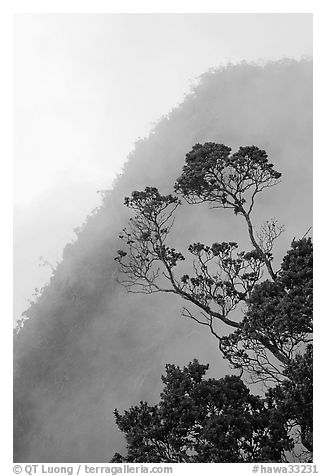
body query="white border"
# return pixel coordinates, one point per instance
(6, 117)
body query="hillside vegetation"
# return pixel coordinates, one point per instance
(87, 345)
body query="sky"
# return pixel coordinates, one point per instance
(87, 86)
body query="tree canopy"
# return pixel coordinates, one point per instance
(201, 420)
(271, 341)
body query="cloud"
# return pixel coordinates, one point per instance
(88, 346)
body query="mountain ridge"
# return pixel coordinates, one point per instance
(86, 342)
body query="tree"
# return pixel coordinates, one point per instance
(293, 398)
(278, 319)
(203, 420)
(275, 330)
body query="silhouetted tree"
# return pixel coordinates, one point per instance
(270, 340)
(293, 398)
(278, 319)
(202, 420)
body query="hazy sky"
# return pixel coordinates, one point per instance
(87, 86)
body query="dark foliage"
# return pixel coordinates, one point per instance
(293, 398)
(84, 345)
(202, 420)
(212, 175)
(276, 325)
(279, 318)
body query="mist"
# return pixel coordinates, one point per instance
(87, 86)
(87, 346)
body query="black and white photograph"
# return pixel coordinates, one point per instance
(163, 242)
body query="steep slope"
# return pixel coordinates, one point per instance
(88, 346)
